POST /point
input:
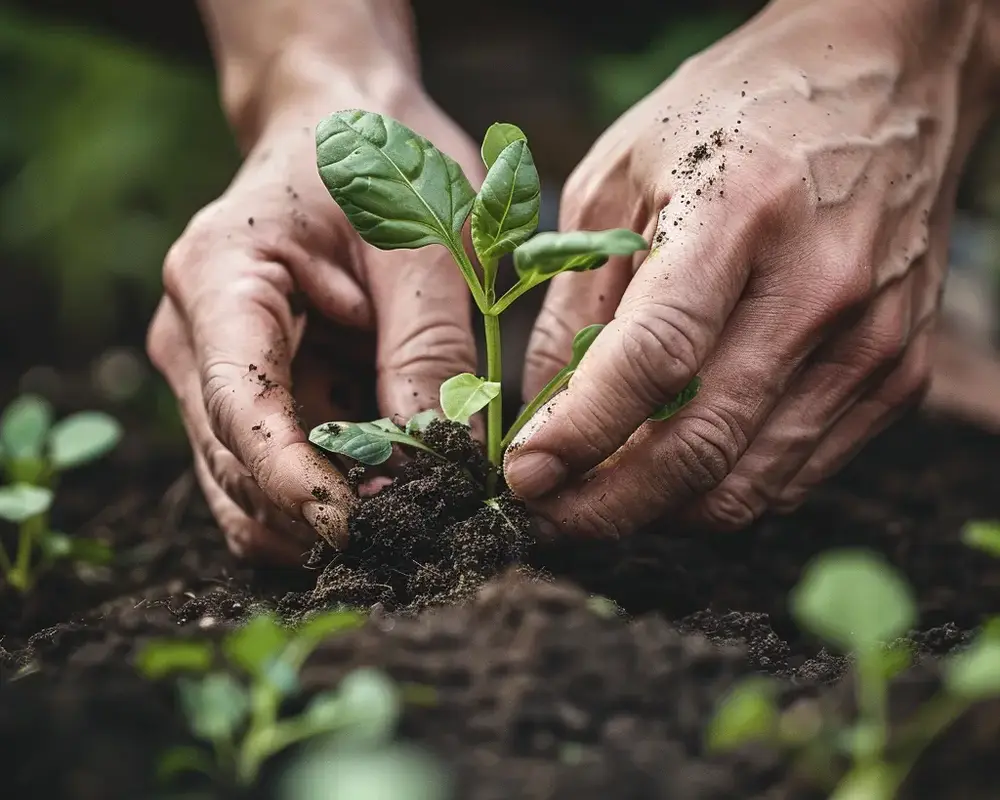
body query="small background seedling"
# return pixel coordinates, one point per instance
(236, 709)
(858, 603)
(401, 192)
(34, 450)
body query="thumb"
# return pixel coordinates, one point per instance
(667, 324)
(423, 317)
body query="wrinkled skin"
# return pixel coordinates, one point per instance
(797, 267)
(233, 297)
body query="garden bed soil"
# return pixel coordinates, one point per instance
(540, 691)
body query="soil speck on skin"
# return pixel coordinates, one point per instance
(250, 222)
(321, 493)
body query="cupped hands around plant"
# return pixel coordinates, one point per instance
(400, 192)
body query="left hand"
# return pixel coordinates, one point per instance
(798, 196)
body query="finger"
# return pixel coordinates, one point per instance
(665, 466)
(903, 389)
(667, 324)
(246, 537)
(243, 334)
(575, 300)
(220, 470)
(424, 325)
(841, 372)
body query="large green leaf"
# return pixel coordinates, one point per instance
(396, 188)
(505, 212)
(855, 600)
(550, 253)
(82, 437)
(366, 442)
(466, 394)
(498, 137)
(22, 501)
(23, 427)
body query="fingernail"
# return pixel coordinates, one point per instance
(533, 474)
(545, 529)
(330, 522)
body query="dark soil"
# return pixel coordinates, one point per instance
(540, 692)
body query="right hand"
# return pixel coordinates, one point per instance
(226, 332)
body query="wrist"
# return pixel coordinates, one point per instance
(305, 83)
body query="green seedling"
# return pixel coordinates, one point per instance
(34, 450)
(237, 708)
(400, 192)
(859, 604)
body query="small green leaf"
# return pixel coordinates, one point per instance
(854, 600)
(22, 501)
(56, 545)
(255, 645)
(215, 706)
(421, 420)
(370, 704)
(550, 253)
(747, 714)
(895, 658)
(369, 443)
(983, 536)
(395, 772)
(687, 394)
(975, 673)
(24, 426)
(464, 395)
(396, 188)
(183, 759)
(869, 783)
(325, 710)
(505, 212)
(499, 136)
(81, 549)
(82, 437)
(163, 657)
(584, 338)
(328, 623)
(603, 607)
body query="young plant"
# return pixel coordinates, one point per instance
(240, 718)
(34, 450)
(401, 192)
(859, 604)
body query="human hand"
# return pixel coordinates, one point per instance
(797, 182)
(231, 323)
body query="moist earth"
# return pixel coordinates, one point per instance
(540, 692)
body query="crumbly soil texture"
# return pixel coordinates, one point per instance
(540, 690)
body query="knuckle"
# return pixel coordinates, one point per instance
(731, 508)
(706, 449)
(218, 389)
(602, 517)
(659, 355)
(436, 343)
(848, 290)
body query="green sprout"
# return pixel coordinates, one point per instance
(859, 604)
(240, 717)
(34, 450)
(400, 192)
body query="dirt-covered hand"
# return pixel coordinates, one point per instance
(232, 321)
(797, 182)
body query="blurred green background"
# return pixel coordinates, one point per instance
(109, 145)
